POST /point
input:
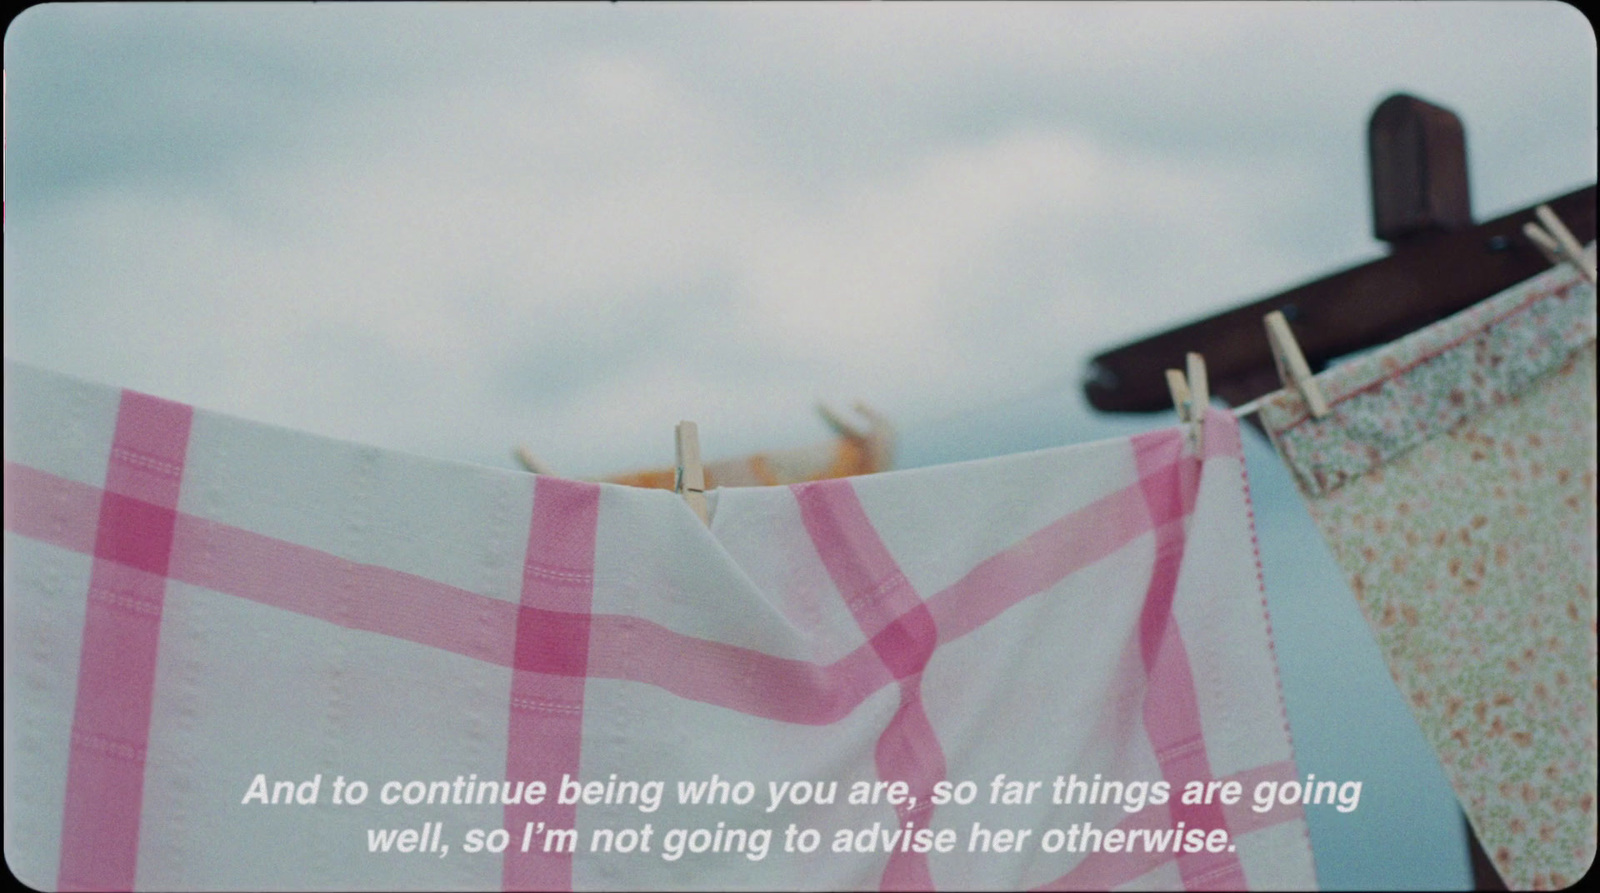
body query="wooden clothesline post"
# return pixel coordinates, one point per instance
(1440, 262)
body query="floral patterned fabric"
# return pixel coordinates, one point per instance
(1455, 482)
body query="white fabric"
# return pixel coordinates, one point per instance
(192, 600)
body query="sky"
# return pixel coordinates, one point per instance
(452, 229)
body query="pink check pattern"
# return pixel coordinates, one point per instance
(553, 642)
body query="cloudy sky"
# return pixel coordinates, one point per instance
(450, 229)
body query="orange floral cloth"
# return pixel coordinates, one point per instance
(841, 457)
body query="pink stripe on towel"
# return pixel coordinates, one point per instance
(902, 632)
(550, 665)
(1171, 712)
(121, 638)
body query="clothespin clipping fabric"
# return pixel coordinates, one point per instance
(531, 463)
(1557, 243)
(1191, 394)
(1293, 370)
(691, 477)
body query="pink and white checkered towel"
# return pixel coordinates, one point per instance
(239, 656)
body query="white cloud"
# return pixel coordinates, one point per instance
(567, 222)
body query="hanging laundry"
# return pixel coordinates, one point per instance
(1455, 482)
(853, 452)
(243, 656)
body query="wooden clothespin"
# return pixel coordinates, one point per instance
(1191, 394)
(1293, 370)
(1178, 384)
(1199, 400)
(841, 426)
(529, 461)
(1557, 243)
(1546, 243)
(878, 436)
(691, 476)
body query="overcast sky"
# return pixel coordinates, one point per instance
(449, 229)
